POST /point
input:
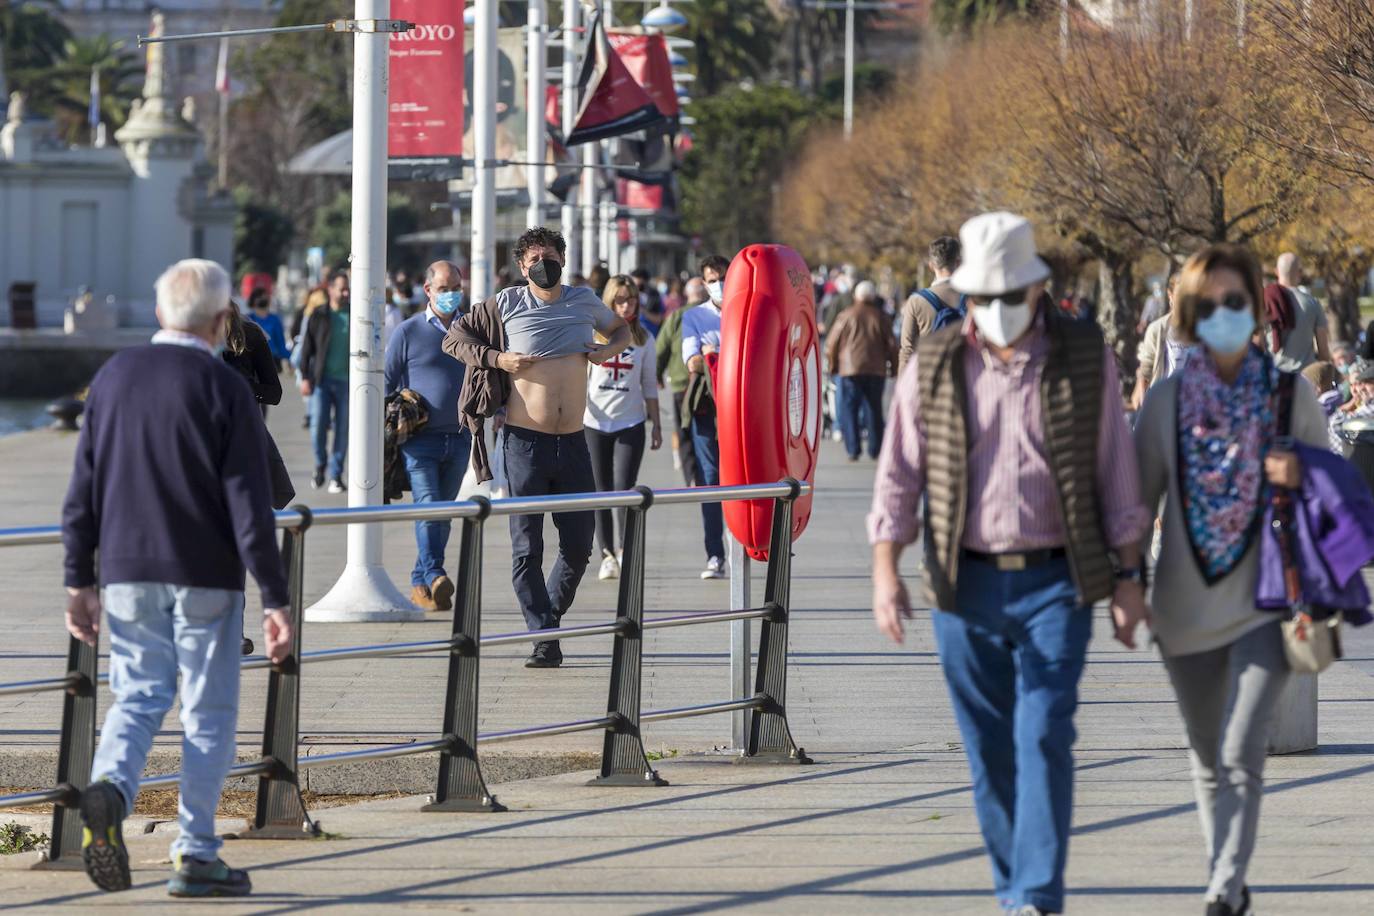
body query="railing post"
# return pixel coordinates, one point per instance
(281, 813)
(623, 762)
(461, 786)
(76, 753)
(770, 740)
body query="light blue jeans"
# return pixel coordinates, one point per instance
(156, 631)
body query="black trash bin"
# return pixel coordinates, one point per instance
(1359, 433)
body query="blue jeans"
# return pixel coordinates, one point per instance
(860, 398)
(544, 464)
(1012, 657)
(156, 631)
(707, 449)
(330, 394)
(435, 463)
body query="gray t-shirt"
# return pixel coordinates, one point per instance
(1300, 345)
(549, 329)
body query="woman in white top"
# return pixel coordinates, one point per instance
(622, 395)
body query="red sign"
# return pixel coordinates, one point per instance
(646, 57)
(425, 119)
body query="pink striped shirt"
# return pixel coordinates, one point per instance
(1013, 502)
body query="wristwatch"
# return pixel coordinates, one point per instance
(1134, 574)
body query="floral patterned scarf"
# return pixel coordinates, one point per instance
(1224, 432)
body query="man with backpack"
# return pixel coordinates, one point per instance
(937, 305)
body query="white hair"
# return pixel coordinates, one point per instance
(191, 293)
(865, 292)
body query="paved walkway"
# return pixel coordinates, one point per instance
(882, 823)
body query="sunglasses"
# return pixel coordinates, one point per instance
(1015, 297)
(1236, 302)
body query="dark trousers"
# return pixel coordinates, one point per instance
(543, 464)
(708, 468)
(615, 465)
(860, 399)
(686, 450)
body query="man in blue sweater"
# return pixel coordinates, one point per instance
(436, 457)
(171, 488)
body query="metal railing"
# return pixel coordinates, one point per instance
(281, 813)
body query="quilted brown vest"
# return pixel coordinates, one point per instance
(1071, 406)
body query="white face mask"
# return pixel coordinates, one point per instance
(1000, 323)
(1226, 331)
(716, 291)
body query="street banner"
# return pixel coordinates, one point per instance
(646, 58)
(612, 103)
(425, 116)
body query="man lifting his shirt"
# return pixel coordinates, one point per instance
(548, 329)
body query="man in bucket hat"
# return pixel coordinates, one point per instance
(1011, 425)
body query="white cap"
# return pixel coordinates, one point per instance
(999, 255)
(865, 291)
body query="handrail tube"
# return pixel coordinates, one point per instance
(40, 797)
(690, 620)
(30, 535)
(594, 629)
(252, 768)
(375, 753)
(539, 731)
(704, 709)
(39, 686)
(376, 651)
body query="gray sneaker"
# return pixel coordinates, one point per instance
(198, 878)
(715, 569)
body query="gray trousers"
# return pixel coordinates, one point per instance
(1227, 697)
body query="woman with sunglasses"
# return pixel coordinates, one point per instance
(1208, 444)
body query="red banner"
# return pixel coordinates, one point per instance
(612, 103)
(646, 57)
(425, 119)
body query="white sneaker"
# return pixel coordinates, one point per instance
(715, 569)
(610, 569)
(336, 485)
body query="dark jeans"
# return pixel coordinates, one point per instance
(686, 451)
(615, 465)
(860, 397)
(435, 463)
(708, 469)
(543, 464)
(1012, 657)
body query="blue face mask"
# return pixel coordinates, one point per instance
(1227, 331)
(448, 302)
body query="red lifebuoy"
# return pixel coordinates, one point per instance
(768, 395)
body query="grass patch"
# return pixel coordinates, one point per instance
(664, 754)
(17, 838)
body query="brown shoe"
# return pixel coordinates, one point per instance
(442, 591)
(420, 597)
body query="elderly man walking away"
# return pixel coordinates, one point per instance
(1012, 425)
(437, 456)
(171, 488)
(1309, 340)
(861, 353)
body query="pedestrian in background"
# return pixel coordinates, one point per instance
(672, 371)
(1013, 430)
(248, 350)
(324, 379)
(622, 397)
(436, 457)
(935, 306)
(861, 354)
(1309, 339)
(1161, 352)
(170, 490)
(701, 341)
(1207, 441)
(261, 314)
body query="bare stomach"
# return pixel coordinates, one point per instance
(550, 396)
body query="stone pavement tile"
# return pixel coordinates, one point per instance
(884, 832)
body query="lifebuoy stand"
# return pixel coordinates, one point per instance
(768, 390)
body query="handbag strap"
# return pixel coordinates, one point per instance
(1281, 498)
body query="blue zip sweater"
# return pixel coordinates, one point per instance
(171, 481)
(415, 359)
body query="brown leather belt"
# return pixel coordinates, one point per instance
(1011, 562)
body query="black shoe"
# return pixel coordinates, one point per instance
(318, 480)
(198, 878)
(102, 840)
(1222, 908)
(545, 655)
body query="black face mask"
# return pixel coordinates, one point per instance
(545, 274)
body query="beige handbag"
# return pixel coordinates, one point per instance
(1311, 645)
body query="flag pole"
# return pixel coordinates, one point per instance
(222, 88)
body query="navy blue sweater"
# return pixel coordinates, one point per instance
(415, 360)
(171, 482)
